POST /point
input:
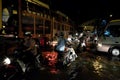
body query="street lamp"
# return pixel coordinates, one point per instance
(111, 15)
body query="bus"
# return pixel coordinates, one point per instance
(35, 16)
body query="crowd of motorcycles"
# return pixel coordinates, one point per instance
(18, 66)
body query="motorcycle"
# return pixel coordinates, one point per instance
(69, 55)
(82, 43)
(28, 61)
(16, 66)
(10, 68)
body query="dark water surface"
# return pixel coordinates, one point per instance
(86, 67)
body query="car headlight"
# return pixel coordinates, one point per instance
(7, 61)
(99, 44)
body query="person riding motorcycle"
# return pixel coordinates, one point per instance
(60, 47)
(30, 44)
(32, 51)
(29, 49)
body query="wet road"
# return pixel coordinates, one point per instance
(87, 66)
(96, 67)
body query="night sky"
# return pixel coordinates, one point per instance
(84, 10)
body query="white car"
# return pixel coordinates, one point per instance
(109, 40)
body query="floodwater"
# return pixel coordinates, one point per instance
(95, 67)
(87, 66)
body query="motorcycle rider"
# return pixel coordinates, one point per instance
(29, 48)
(29, 43)
(32, 51)
(61, 45)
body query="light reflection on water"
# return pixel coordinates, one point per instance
(98, 67)
(54, 71)
(104, 66)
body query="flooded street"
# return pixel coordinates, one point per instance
(87, 66)
(94, 67)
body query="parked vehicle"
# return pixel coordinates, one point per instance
(109, 39)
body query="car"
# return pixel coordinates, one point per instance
(109, 39)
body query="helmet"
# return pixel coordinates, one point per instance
(61, 34)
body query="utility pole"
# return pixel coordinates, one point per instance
(20, 33)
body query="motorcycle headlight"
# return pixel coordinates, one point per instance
(7, 61)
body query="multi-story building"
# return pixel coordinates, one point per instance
(20, 16)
